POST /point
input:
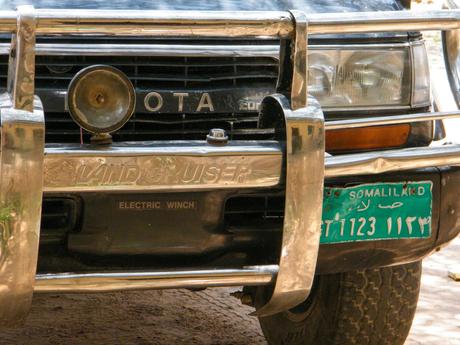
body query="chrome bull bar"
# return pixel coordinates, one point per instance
(21, 179)
(23, 155)
(117, 281)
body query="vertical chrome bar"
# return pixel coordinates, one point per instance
(304, 201)
(451, 45)
(21, 65)
(22, 135)
(304, 123)
(21, 182)
(299, 61)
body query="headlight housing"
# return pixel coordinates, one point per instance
(364, 76)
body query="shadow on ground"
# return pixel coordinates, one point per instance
(210, 316)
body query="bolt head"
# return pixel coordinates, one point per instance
(217, 136)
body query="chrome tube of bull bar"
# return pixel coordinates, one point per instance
(21, 174)
(390, 120)
(227, 24)
(304, 126)
(358, 22)
(231, 24)
(21, 65)
(166, 23)
(370, 163)
(115, 281)
(303, 200)
(21, 178)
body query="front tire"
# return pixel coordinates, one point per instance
(366, 307)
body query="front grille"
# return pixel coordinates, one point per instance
(240, 126)
(60, 215)
(162, 72)
(254, 210)
(201, 74)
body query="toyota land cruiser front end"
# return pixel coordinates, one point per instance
(285, 150)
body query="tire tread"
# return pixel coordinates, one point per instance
(377, 302)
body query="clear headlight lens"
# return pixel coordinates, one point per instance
(366, 77)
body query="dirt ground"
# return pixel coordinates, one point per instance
(437, 321)
(210, 317)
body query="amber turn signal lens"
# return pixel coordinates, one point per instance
(367, 138)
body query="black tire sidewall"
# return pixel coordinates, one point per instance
(315, 322)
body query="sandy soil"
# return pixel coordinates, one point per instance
(210, 317)
(437, 321)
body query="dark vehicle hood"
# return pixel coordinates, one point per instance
(312, 6)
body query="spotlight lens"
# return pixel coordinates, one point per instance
(101, 99)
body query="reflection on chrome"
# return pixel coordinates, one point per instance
(114, 281)
(304, 188)
(163, 166)
(21, 178)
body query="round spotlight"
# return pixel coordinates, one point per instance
(101, 99)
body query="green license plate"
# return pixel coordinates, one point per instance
(377, 211)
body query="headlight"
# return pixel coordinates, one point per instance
(369, 76)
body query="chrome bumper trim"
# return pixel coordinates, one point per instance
(116, 281)
(70, 169)
(156, 166)
(370, 163)
(179, 50)
(184, 50)
(241, 165)
(21, 178)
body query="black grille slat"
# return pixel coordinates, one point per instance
(254, 210)
(60, 126)
(165, 77)
(59, 217)
(233, 119)
(154, 64)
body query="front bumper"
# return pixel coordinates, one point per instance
(297, 161)
(199, 166)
